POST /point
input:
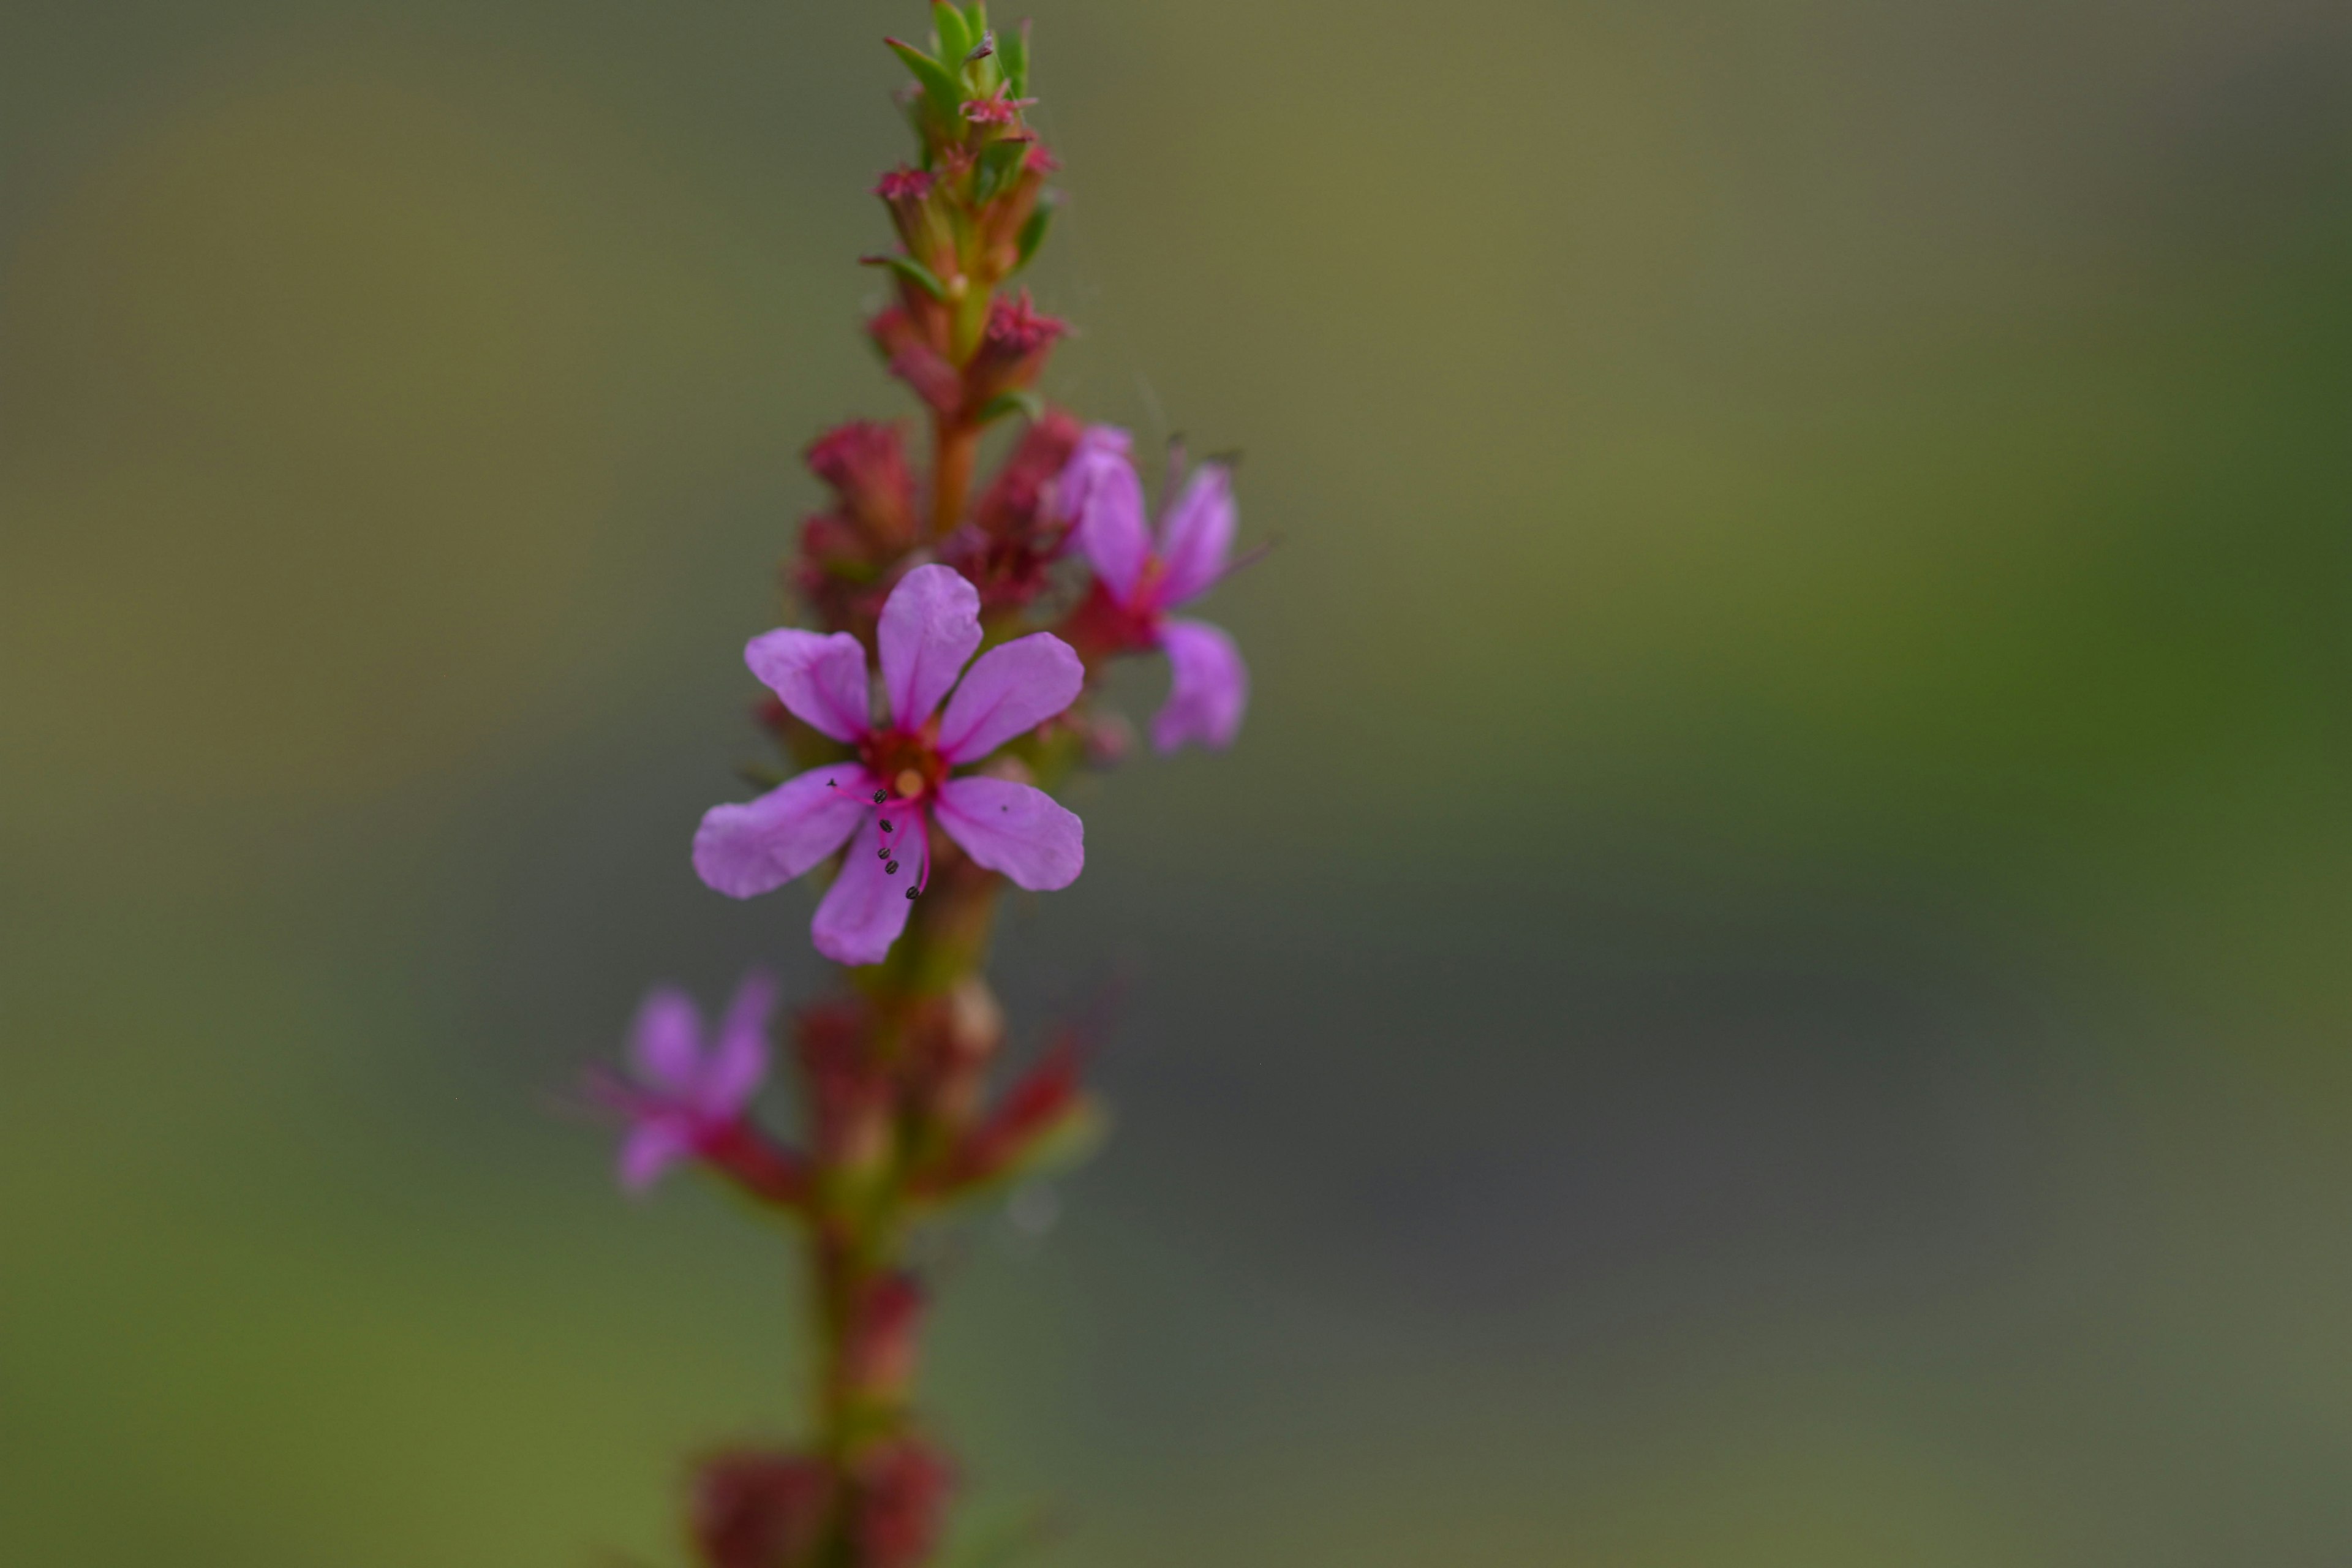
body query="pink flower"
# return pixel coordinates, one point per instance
(1143, 579)
(680, 1100)
(995, 110)
(885, 801)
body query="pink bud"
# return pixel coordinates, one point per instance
(756, 1510)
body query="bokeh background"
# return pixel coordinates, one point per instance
(1767, 984)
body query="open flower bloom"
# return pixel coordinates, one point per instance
(681, 1099)
(1145, 578)
(886, 802)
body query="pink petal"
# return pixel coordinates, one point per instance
(1210, 689)
(1197, 534)
(1101, 450)
(739, 1060)
(929, 629)
(1016, 829)
(1010, 688)
(759, 846)
(651, 1148)
(866, 907)
(821, 678)
(1111, 530)
(666, 1041)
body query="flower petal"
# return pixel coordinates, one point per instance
(666, 1041)
(929, 629)
(739, 1061)
(821, 678)
(1099, 450)
(1010, 688)
(651, 1148)
(1014, 828)
(1197, 534)
(1210, 689)
(1110, 527)
(866, 908)
(759, 846)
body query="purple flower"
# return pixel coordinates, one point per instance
(886, 802)
(1143, 579)
(681, 1099)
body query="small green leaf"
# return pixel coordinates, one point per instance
(955, 40)
(1000, 166)
(975, 19)
(1028, 404)
(1013, 49)
(1072, 1141)
(1032, 232)
(940, 88)
(912, 270)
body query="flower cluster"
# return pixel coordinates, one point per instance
(944, 686)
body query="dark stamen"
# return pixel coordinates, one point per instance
(911, 892)
(886, 826)
(892, 869)
(881, 795)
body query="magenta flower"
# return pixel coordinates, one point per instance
(885, 801)
(680, 1100)
(1142, 579)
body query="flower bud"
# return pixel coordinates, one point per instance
(761, 1509)
(878, 1352)
(902, 1493)
(865, 463)
(916, 212)
(1013, 350)
(912, 351)
(1044, 1111)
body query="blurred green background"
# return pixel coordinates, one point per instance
(1767, 984)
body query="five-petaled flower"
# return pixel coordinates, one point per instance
(884, 803)
(680, 1099)
(1140, 580)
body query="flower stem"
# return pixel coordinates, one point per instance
(923, 1028)
(955, 444)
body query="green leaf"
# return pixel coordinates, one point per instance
(1000, 166)
(955, 41)
(975, 20)
(1013, 49)
(1032, 232)
(1028, 404)
(940, 87)
(912, 270)
(1070, 1142)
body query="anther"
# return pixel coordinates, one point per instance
(911, 892)
(887, 828)
(892, 869)
(880, 795)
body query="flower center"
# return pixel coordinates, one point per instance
(911, 769)
(909, 766)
